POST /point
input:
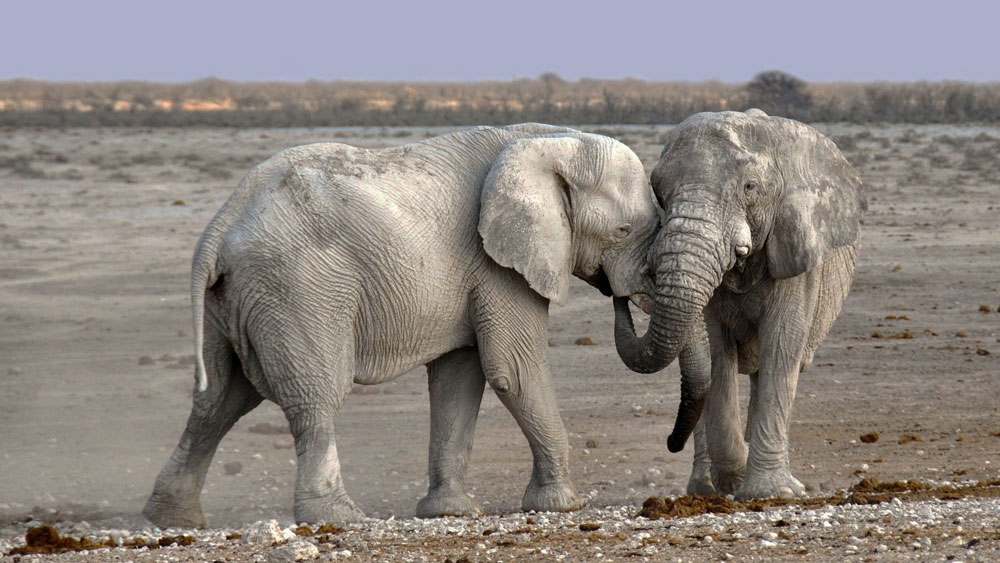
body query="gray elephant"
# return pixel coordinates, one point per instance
(332, 265)
(752, 265)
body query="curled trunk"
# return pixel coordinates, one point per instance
(687, 274)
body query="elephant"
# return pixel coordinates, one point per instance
(331, 265)
(752, 264)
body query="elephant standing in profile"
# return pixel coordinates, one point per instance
(752, 266)
(332, 265)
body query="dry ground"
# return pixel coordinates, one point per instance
(96, 232)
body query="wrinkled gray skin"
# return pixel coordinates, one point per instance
(332, 265)
(752, 265)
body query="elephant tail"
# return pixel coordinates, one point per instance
(204, 274)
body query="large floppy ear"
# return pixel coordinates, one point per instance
(524, 217)
(821, 203)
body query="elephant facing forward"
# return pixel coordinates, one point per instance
(332, 265)
(752, 266)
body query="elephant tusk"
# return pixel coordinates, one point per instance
(642, 301)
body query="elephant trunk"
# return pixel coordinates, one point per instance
(690, 265)
(696, 376)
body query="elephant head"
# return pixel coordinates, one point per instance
(570, 203)
(739, 190)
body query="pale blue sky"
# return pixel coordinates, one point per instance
(182, 40)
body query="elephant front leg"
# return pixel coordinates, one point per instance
(768, 472)
(456, 383)
(514, 355)
(782, 341)
(531, 399)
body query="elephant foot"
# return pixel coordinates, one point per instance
(166, 511)
(327, 511)
(447, 503)
(769, 484)
(727, 481)
(700, 482)
(556, 497)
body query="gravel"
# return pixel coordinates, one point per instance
(966, 529)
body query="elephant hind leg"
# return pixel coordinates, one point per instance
(175, 501)
(309, 369)
(700, 482)
(752, 407)
(456, 384)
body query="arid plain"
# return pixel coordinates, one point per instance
(97, 227)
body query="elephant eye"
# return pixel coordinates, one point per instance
(623, 230)
(750, 186)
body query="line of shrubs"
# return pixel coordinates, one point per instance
(548, 99)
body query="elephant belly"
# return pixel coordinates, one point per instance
(404, 331)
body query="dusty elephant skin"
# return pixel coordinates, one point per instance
(752, 266)
(332, 265)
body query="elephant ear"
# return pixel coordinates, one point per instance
(525, 209)
(821, 204)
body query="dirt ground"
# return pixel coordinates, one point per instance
(97, 227)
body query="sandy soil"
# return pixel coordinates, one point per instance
(96, 233)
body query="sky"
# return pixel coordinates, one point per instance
(428, 40)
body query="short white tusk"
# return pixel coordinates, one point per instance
(742, 250)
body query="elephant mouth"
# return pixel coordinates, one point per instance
(741, 264)
(642, 301)
(600, 280)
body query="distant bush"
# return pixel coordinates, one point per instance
(777, 93)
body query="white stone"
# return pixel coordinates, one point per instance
(298, 550)
(765, 543)
(263, 533)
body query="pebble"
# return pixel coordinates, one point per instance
(263, 533)
(859, 530)
(294, 551)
